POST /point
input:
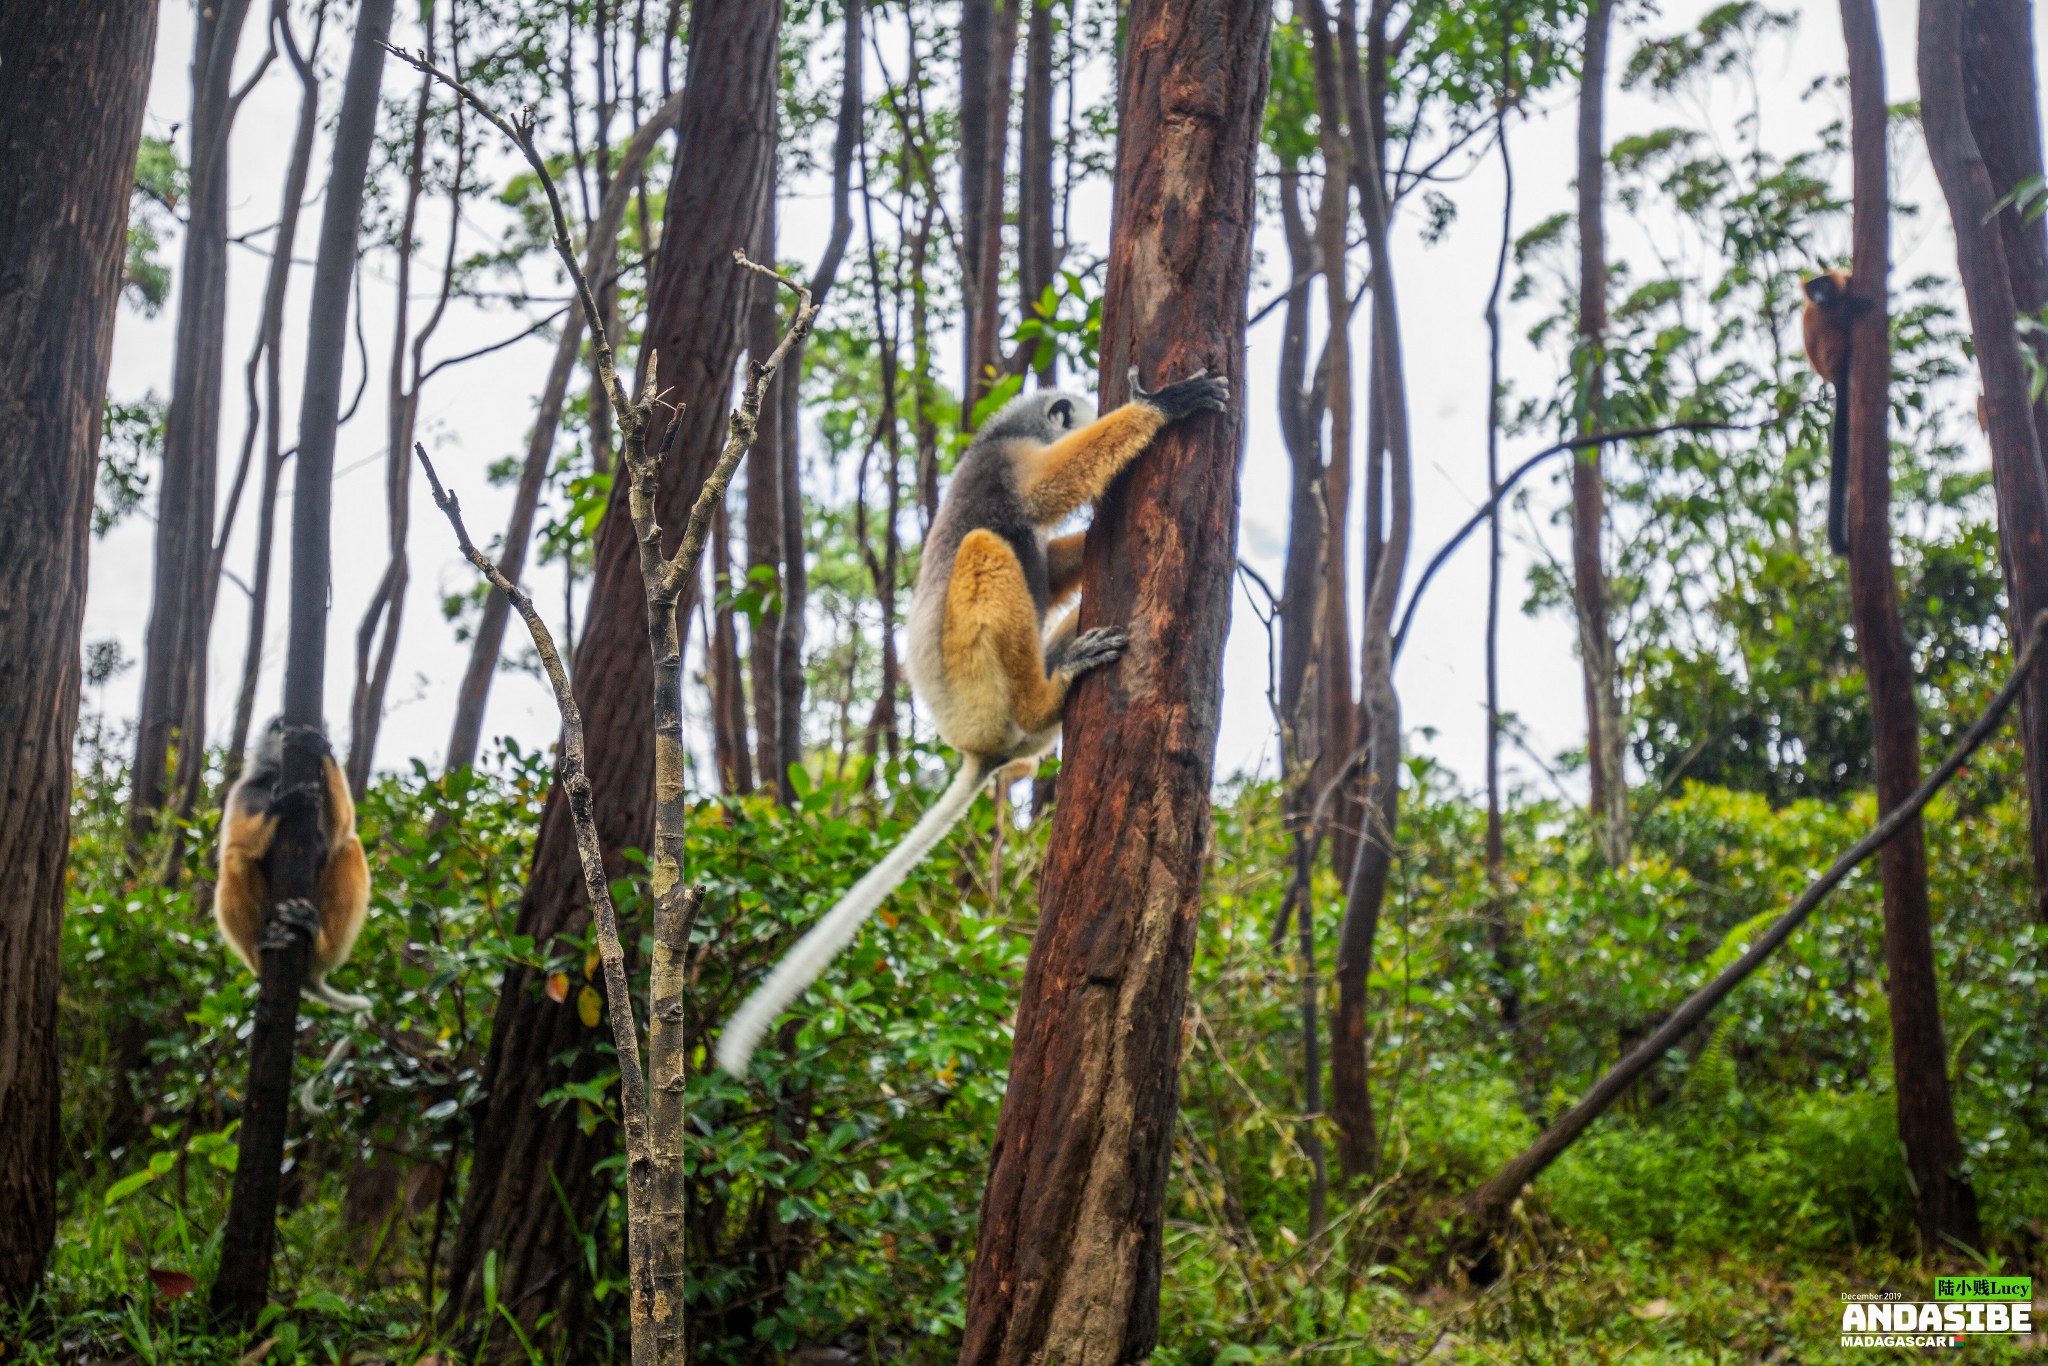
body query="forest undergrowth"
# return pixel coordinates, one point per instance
(1717, 1215)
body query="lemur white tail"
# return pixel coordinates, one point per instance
(801, 965)
(340, 1000)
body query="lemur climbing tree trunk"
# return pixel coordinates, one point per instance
(600, 250)
(1607, 801)
(173, 708)
(1982, 116)
(71, 96)
(1943, 1201)
(1067, 1260)
(1366, 883)
(299, 848)
(524, 1151)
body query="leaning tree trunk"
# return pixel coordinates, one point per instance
(72, 83)
(1608, 800)
(174, 649)
(2001, 98)
(299, 850)
(525, 1152)
(764, 522)
(1944, 1202)
(1067, 1262)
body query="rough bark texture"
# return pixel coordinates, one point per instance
(1607, 802)
(2001, 98)
(300, 847)
(694, 322)
(1067, 1263)
(1944, 1203)
(72, 82)
(174, 648)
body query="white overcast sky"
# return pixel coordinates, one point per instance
(479, 413)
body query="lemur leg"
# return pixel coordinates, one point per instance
(1073, 471)
(344, 902)
(995, 663)
(1063, 563)
(238, 898)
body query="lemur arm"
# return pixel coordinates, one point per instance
(1075, 470)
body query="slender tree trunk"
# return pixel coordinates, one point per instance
(525, 1152)
(73, 79)
(1608, 803)
(1366, 886)
(2001, 98)
(1301, 431)
(764, 522)
(1067, 1262)
(1945, 1204)
(173, 709)
(1500, 932)
(599, 253)
(789, 642)
(988, 43)
(1037, 256)
(300, 847)
(1337, 725)
(269, 347)
(728, 690)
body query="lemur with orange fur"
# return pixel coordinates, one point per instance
(248, 824)
(1824, 326)
(981, 657)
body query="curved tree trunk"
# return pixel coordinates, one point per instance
(1944, 1202)
(173, 713)
(72, 83)
(523, 1151)
(1067, 1262)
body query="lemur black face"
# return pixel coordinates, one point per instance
(1062, 411)
(1821, 289)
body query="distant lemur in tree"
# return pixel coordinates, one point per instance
(1825, 326)
(981, 658)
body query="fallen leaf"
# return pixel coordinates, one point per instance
(173, 1285)
(590, 1006)
(1655, 1309)
(258, 1352)
(558, 987)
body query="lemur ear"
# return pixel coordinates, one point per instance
(1062, 409)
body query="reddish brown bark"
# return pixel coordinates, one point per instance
(1067, 1263)
(71, 96)
(694, 320)
(2001, 99)
(1944, 1203)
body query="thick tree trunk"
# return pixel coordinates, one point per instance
(72, 83)
(1067, 1262)
(1607, 805)
(2001, 97)
(1944, 1202)
(694, 321)
(300, 848)
(173, 711)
